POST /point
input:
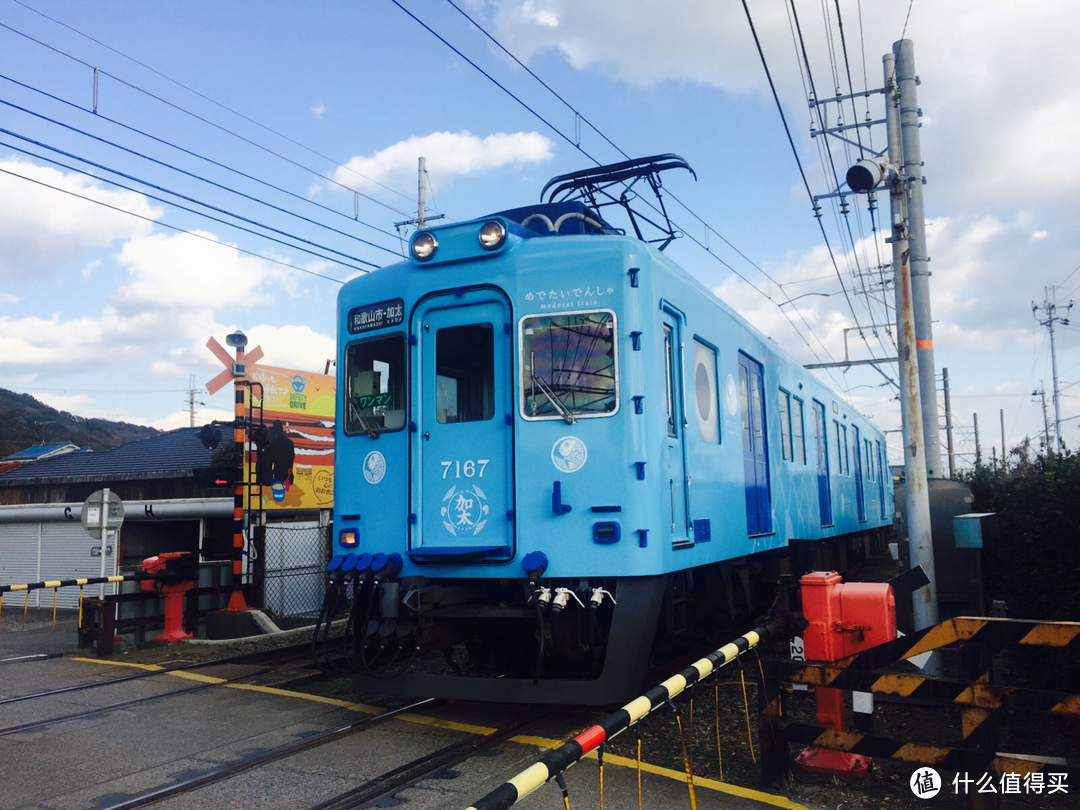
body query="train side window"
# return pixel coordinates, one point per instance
(375, 385)
(705, 394)
(797, 440)
(841, 457)
(669, 378)
(744, 397)
(569, 365)
(465, 373)
(784, 411)
(869, 464)
(847, 457)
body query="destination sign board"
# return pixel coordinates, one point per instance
(376, 316)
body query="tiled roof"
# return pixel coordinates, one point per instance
(38, 451)
(175, 452)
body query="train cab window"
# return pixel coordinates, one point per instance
(375, 385)
(465, 373)
(797, 440)
(569, 366)
(705, 394)
(784, 411)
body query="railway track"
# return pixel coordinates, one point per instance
(278, 655)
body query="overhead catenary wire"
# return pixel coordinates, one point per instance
(798, 160)
(177, 194)
(577, 146)
(170, 227)
(207, 121)
(372, 265)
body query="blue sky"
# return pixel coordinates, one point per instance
(106, 314)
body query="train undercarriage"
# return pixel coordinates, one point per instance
(584, 641)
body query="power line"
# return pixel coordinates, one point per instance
(207, 121)
(211, 100)
(170, 227)
(191, 210)
(798, 161)
(266, 184)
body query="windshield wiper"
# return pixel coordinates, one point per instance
(553, 398)
(369, 431)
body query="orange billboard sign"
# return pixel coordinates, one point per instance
(295, 464)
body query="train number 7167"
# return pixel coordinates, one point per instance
(464, 469)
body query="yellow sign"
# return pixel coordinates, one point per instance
(295, 464)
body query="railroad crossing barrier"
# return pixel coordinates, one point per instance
(553, 764)
(975, 696)
(27, 587)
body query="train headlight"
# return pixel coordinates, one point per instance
(492, 235)
(423, 246)
(348, 538)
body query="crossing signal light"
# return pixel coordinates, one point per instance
(213, 477)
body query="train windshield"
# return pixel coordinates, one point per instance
(569, 365)
(375, 385)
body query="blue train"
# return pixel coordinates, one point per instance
(557, 455)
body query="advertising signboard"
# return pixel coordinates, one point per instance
(295, 468)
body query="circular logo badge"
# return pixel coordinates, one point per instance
(464, 510)
(569, 454)
(374, 467)
(298, 383)
(731, 396)
(925, 783)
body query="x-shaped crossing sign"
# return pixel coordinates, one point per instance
(222, 354)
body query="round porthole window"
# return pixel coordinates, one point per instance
(705, 392)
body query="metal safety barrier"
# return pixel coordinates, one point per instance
(975, 696)
(553, 764)
(55, 584)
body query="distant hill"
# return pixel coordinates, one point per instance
(19, 412)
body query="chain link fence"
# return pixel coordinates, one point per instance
(295, 569)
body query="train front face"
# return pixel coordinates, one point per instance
(483, 438)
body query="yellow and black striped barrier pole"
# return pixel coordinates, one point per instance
(557, 761)
(27, 587)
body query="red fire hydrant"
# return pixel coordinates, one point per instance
(171, 583)
(843, 619)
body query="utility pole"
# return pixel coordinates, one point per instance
(191, 400)
(906, 96)
(948, 423)
(422, 218)
(920, 540)
(978, 447)
(1049, 306)
(421, 192)
(1004, 449)
(1041, 392)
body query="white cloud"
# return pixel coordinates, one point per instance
(296, 347)
(184, 271)
(318, 110)
(448, 154)
(42, 228)
(182, 419)
(8, 298)
(55, 344)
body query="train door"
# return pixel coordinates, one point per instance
(860, 494)
(462, 470)
(755, 448)
(821, 442)
(881, 480)
(674, 450)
